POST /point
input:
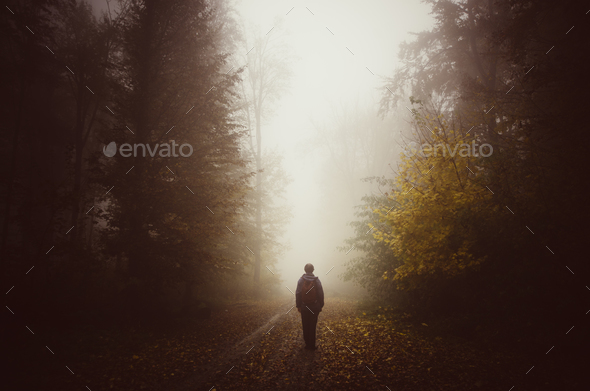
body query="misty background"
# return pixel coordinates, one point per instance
(341, 52)
(166, 272)
(330, 84)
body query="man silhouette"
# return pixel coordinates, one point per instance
(309, 299)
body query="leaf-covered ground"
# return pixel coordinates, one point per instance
(259, 346)
(127, 358)
(356, 349)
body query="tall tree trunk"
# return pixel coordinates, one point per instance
(79, 147)
(258, 243)
(7, 207)
(139, 263)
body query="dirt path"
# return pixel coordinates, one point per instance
(226, 360)
(273, 357)
(356, 350)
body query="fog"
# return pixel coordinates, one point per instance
(343, 49)
(343, 134)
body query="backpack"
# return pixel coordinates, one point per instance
(308, 292)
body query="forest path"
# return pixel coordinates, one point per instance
(258, 345)
(378, 350)
(272, 357)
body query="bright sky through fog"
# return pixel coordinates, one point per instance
(342, 48)
(327, 70)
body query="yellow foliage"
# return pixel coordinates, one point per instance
(438, 197)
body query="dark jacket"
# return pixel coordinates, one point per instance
(319, 303)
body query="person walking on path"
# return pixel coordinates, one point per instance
(309, 299)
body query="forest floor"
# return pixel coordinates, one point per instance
(355, 349)
(259, 346)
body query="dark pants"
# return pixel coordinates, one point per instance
(309, 319)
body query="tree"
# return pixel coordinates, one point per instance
(437, 200)
(167, 212)
(32, 135)
(374, 257)
(267, 74)
(85, 45)
(272, 217)
(493, 69)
